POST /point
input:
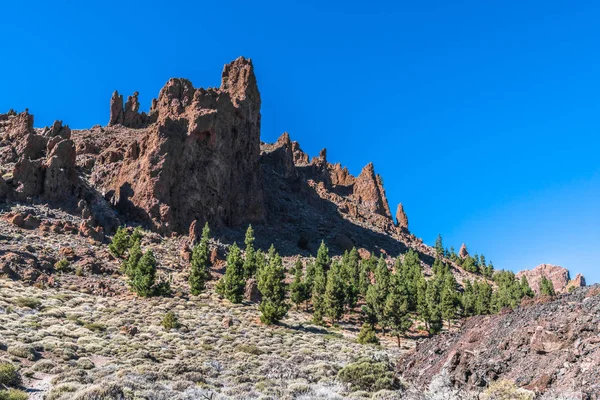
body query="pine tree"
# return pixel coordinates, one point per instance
(272, 288)
(335, 293)
(143, 276)
(433, 299)
(525, 288)
(468, 300)
(396, 308)
(483, 297)
(120, 242)
(250, 259)
(421, 303)
(137, 234)
(323, 261)
(364, 279)
(449, 298)
(469, 264)
(129, 265)
(351, 276)
(318, 295)
(309, 278)
(546, 287)
(411, 274)
(367, 335)
(261, 261)
(231, 286)
(200, 263)
(377, 293)
(439, 246)
(298, 292)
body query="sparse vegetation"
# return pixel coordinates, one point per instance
(170, 321)
(368, 375)
(62, 265)
(9, 375)
(29, 302)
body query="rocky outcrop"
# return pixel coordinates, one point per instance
(128, 115)
(401, 218)
(199, 161)
(463, 252)
(548, 346)
(559, 277)
(369, 193)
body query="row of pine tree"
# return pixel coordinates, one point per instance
(390, 299)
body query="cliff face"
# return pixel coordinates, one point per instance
(194, 157)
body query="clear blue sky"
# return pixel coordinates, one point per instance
(483, 117)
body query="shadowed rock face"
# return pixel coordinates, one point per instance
(558, 275)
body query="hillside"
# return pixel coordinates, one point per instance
(74, 322)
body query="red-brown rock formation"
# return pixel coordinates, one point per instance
(401, 218)
(199, 161)
(463, 252)
(559, 277)
(369, 193)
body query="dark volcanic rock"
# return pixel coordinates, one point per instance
(547, 345)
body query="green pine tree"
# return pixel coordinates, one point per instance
(129, 265)
(525, 288)
(272, 288)
(421, 303)
(143, 275)
(318, 295)
(468, 300)
(120, 242)
(323, 261)
(546, 287)
(367, 335)
(434, 310)
(364, 279)
(200, 263)
(335, 293)
(250, 259)
(439, 246)
(377, 293)
(396, 308)
(231, 286)
(351, 276)
(449, 298)
(298, 292)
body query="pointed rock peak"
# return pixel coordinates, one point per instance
(463, 253)
(369, 191)
(368, 171)
(239, 80)
(284, 139)
(401, 218)
(323, 155)
(116, 109)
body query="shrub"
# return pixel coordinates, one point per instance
(95, 327)
(13, 394)
(367, 335)
(368, 375)
(506, 390)
(249, 349)
(9, 375)
(170, 321)
(62, 265)
(29, 302)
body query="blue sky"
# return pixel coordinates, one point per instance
(483, 117)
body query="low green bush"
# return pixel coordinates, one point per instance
(170, 321)
(368, 375)
(9, 375)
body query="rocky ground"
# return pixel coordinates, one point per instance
(67, 343)
(548, 346)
